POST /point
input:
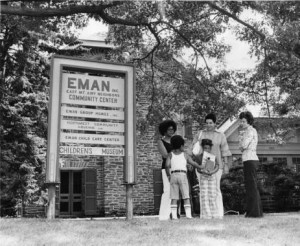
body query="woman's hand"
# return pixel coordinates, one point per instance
(200, 170)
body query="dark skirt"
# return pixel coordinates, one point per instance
(253, 201)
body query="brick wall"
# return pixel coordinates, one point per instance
(111, 193)
(148, 158)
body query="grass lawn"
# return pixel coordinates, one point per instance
(233, 230)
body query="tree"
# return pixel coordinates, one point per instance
(23, 105)
(157, 35)
(275, 81)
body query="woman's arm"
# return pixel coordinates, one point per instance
(168, 164)
(247, 139)
(196, 138)
(161, 149)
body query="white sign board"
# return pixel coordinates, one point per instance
(92, 113)
(66, 137)
(80, 150)
(92, 90)
(97, 101)
(91, 126)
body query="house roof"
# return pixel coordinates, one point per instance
(96, 44)
(96, 40)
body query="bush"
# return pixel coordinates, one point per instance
(277, 184)
(233, 190)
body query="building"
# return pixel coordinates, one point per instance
(94, 185)
(268, 149)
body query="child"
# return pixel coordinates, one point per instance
(208, 185)
(176, 169)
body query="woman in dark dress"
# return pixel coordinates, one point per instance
(167, 129)
(247, 143)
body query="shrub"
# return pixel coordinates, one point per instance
(233, 190)
(277, 184)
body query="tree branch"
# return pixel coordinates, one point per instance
(225, 12)
(190, 44)
(50, 12)
(151, 29)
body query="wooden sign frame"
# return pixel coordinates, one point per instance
(58, 63)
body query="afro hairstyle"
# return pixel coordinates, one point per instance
(177, 141)
(163, 127)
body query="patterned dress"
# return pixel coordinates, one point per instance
(220, 149)
(208, 195)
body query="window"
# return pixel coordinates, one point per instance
(296, 160)
(280, 160)
(296, 163)
(263, 159)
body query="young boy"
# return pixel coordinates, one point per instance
(176, 169)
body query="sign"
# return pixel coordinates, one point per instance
(92, 126)
(81, 150)
(92, 90)
(67, 137)
(92, 113)
(91, 97)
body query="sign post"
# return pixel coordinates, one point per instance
(91, 113)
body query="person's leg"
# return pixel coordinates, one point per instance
(174, 191)
(174, 209)
(253, 201)
(187, 208)
(190, 181)
(212, 197)
(165, 202)
(204, 200)
(184, 188)
(199, 193)
(219, 199)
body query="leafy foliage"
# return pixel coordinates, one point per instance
(24, 105)
(175, 48)
(233, 190)
(275, 181)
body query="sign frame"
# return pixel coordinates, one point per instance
(58, 63)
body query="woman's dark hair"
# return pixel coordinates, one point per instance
(248, 116)
(163, 127)
(177, 141)
(211, 116)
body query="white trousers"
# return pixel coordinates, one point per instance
(165, 202)
(220, 207)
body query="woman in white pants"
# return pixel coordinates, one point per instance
(167, 129)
